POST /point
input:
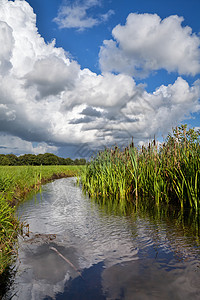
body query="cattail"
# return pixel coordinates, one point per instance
(132, 144)
(154, 141)
(184, 132)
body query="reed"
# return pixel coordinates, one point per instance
(167, 174)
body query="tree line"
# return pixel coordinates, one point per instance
(37, 160)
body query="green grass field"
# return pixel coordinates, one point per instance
(16, 182)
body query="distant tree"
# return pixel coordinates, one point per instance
(61, 161)
(4, 161)
(82, 161)
(28, 159)
(69, 161)
(13, 159)
(40, 159)
(49, 159)
(76, 161)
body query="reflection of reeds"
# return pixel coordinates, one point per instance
(166, 174)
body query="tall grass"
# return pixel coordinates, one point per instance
(168, 173)
(9, 227)
(15, 183)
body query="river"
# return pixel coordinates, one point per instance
(77, 249)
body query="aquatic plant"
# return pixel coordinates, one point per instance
(168, 173)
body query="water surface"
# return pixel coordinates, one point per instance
(119, 256)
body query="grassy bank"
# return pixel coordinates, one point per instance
(167, 173)
(15, 184)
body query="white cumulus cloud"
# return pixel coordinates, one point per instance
(12, 144)
(51, 75)
(75, 14)
(6, 42)
(146, 43)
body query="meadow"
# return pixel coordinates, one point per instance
(167, 173)
(16, 182)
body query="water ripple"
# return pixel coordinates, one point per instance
(150, 254)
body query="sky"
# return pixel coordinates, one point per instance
(79, 76)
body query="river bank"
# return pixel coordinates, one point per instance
(16, 183)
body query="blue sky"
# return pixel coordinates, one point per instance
(84, 45)
(92, 73)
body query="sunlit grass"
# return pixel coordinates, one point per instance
(9, 227)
